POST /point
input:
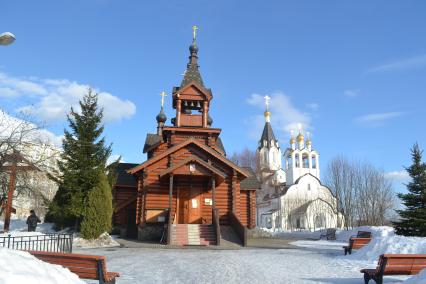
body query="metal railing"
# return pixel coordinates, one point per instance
(47, 242)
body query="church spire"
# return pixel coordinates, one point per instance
(192, 73)
(268, 138)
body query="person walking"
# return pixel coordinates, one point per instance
(32, 221)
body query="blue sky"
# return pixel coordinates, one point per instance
(353, 72)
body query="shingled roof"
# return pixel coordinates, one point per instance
(192, 74)
(251, 182)
(267, 135)
(151, 141)
(125, 178)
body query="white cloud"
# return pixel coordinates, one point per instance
(284, 115)
(378, 119)
(399, 179)
(6, 92)
(352, 93)
(403, 64)
(399, 175)
(21, 86)
(313, 106)
(55, 98)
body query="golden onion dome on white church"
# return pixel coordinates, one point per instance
(300, 137)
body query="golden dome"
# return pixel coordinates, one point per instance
(267, 113)
(292, 140)
(300, 137)
(309, 142)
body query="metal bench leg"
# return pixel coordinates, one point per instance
(379, 279)
(367, 278)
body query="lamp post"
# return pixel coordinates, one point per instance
(6, 38)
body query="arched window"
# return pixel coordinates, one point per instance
(265, 157)
(314, 161)
(305, 160)
(296, 157)
(289, 162)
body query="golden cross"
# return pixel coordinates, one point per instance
(163, 94)
(267, 99)
(194, 31)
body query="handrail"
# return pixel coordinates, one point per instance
(216, 225)
(239, 228)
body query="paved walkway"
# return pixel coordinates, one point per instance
(248, 265)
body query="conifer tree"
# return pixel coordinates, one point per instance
(413, 216)
(84, 156)
(98, 211)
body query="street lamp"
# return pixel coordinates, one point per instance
(6, 38)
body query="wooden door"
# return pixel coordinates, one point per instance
(189, 206)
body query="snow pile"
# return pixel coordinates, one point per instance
(284, 234)
(382, 231)
(416, 279)
(20, 225)
(104, 240)
(21, 267)
(390, 244)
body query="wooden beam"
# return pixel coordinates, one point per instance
(169, 225)
(214, 192)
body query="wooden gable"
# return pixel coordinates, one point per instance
(199, 147)
(193, 91)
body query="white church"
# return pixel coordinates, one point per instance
(292, 197)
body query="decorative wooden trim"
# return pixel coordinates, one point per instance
(180, 146)
(192, 129)
(193, 159)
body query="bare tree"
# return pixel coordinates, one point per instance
(245, 158)
(26, 157)
(364, 195)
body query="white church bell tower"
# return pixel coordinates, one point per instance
(300, 158)
(269, 152)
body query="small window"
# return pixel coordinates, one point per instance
(309, 186)
(314, 161)
(296, 157)
(305, 160)
(289, 162)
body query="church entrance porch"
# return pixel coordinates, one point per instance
(189, 204)
(194, 200)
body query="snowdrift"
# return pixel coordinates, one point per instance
(390, 244)
(417, 279)
(376, 232)
(104, 240)
(22, 267)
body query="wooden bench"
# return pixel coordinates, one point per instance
(330, 234)
(363, 234)
(355, 243)
(85, 266)
(395, 264)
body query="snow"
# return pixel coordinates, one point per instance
(19, 227)
(341, 235)
(390, 244)
(307, 261)
(248, 265)
(21, 267)
(380, 231)
(104, 240)
(417, 279)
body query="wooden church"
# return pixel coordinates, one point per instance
(187, 192)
